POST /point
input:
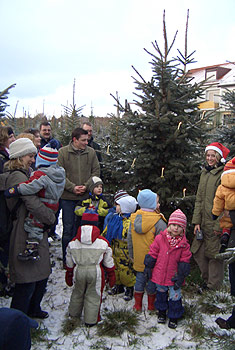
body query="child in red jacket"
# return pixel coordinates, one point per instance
(167, 265)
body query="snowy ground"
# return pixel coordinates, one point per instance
(149, 335)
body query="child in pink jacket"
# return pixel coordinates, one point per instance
(167, 265)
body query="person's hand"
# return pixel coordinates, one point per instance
(69, 276)
(196, 228)
(12, 192)
(79, 189)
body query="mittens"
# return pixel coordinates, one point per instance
(111, 278)
(12, 192)
(148, 273)
(178, 281)
(69, 276)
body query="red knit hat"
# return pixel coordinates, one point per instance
(178, 218)
(229, 167)
(219, 148)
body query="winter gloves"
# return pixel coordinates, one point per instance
(69, 276)
(12, 192)
(110, 277)
(224, 242)
(149, 263)
(183, 271)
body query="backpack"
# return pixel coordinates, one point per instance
(7, 217)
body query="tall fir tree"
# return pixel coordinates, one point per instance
(162, 147)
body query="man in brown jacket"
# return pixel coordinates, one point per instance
(80, 163)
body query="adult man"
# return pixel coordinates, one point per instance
(91, 143)
(80, 163)
(46, 134)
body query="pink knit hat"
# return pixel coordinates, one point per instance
(178, 218)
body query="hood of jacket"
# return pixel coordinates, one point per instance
(87, 234)
(144, 223)
(55, 172)
(228, 179)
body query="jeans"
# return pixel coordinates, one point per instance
(28, 296)
(69, 227)
(173, 294)
(142, 282)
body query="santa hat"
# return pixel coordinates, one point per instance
(120, 194)
(147, 199)
(178, 218)
(47, 155)
(229, 167)
(219, 148)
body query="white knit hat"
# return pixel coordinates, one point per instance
(21, 147)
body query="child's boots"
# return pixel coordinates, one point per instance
(138, 301)
(128, 293)
(30, 253)
(151, 300)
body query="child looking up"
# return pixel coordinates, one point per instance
(225, 200)
(48, 182)
(146, 223)
(96, 201)
(91, 254)
(167, 265)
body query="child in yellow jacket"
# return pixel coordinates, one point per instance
(225, 201)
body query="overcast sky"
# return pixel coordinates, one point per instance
(45, 44)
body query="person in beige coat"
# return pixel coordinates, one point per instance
(81, 164)
(30, 278)
(205, 249)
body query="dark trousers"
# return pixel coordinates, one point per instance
(69, 226)
(231, 319)
(53, 228)
(4, 255)
(232, 277)
(27, 297)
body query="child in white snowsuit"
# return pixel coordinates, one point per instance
(167, 265)
(48, 182)
(225, 200)
(87, 256)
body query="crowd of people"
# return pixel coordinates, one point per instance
(129, 244)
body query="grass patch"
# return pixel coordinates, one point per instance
(69, 325)
(39, 334)
(117, 322)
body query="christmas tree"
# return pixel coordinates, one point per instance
(161, 147)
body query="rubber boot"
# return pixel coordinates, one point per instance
(151, 300)
(138, 301)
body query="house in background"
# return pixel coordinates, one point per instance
(220, 78)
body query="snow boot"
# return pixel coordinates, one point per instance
(138, 301)
(128, 293)
(30, 253)
(162, 316)
(172, 323)
(151, 300)
(175, 311)
(117, 289)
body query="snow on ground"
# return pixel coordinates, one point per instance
(149, 333)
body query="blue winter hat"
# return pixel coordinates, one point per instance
(147, 199)
(15, 329)
(47, 155)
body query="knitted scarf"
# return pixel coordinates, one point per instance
(173, 241)
(115, 227)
